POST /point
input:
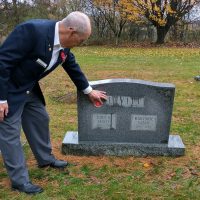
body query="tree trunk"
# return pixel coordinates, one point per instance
(116, 40)
(161, 33)
(16, 14)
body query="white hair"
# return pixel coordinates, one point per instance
(79, 21)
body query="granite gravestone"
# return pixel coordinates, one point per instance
(135, 120)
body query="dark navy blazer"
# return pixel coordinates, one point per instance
(19, 69)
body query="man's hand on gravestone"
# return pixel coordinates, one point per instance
(3, 110)
(96, 97)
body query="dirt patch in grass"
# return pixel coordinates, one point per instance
(97, 161)
(5, 182)
(69, 98)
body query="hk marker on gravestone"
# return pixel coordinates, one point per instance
(135, 120)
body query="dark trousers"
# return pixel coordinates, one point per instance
(34, 119)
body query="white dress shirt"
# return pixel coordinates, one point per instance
(56, 50)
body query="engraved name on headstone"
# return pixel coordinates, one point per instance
(103, 121)
(125, 101)
(143, 122)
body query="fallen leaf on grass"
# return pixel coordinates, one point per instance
(147, 165)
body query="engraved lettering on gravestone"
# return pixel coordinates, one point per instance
(143, 122)
(125, 101)
(104, 121)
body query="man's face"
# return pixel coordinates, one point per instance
(76, 39)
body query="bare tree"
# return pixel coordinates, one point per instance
(112, 12)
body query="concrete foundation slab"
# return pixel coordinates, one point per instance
(71, 145)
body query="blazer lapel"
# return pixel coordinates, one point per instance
(58, 62)
(50, 41)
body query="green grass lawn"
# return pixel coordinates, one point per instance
(113, 177)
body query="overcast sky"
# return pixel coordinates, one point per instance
(195, 13)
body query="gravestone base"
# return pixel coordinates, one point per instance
(71, 145)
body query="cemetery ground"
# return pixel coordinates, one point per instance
(120, 178)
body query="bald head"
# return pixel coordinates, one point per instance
(74, 29)
(79, 22)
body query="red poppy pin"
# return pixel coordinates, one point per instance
(63, 56)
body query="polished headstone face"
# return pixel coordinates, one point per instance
(136, 112)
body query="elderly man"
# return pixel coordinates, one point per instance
(33, 50)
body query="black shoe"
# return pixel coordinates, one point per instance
(60, 164)
(197, 78)
(28, 188)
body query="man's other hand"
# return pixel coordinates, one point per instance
(3, 110)
(97, 97)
